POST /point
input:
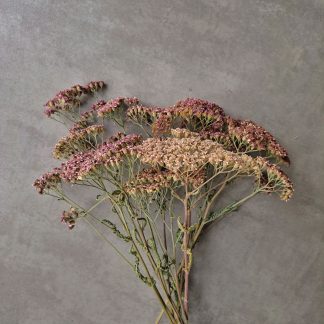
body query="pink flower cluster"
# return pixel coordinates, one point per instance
(162, 125)
(193, 107)
(68, 99)
(186, 109)
(96, 106)
(146, 115)
(82, 164)
(109, 154)
(48, 180)
(107, 109)
(275, 179)
(69, 217)
(255, 137)
(88, 116)
(210, 121)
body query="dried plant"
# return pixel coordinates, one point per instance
(161, 182)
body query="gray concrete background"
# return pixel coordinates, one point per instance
(261, 60)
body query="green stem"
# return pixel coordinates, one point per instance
(108, 241)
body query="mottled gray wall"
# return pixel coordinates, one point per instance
(258, 59)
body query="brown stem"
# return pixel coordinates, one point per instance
(186, 269)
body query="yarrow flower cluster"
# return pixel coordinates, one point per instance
(186, 153)
(48, 181)
(88, 117)
(185, 156)
(162, 125)
(146, 115)
(274, 179)
(111, 106)
(255, 137)
(108, 155)
(69, 217)
(204, 111)
(68, 99)
(210, 121)
(78, 139)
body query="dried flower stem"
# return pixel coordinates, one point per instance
(186, 252)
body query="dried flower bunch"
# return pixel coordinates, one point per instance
(183, 156)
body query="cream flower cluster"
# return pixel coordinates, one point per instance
(186, 156)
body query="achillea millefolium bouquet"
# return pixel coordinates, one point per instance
(184, 155)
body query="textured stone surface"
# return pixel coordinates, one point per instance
(261, 60)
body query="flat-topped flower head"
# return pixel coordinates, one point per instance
(185, 156)
(247, 135)
(110, 107)
(48, 181)
(194, 107)
(69, 99)
(88, 117)
(273, 179)
(181, 155)
(78, 139)
(108, 155)
(146, 115)
(210, 121)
